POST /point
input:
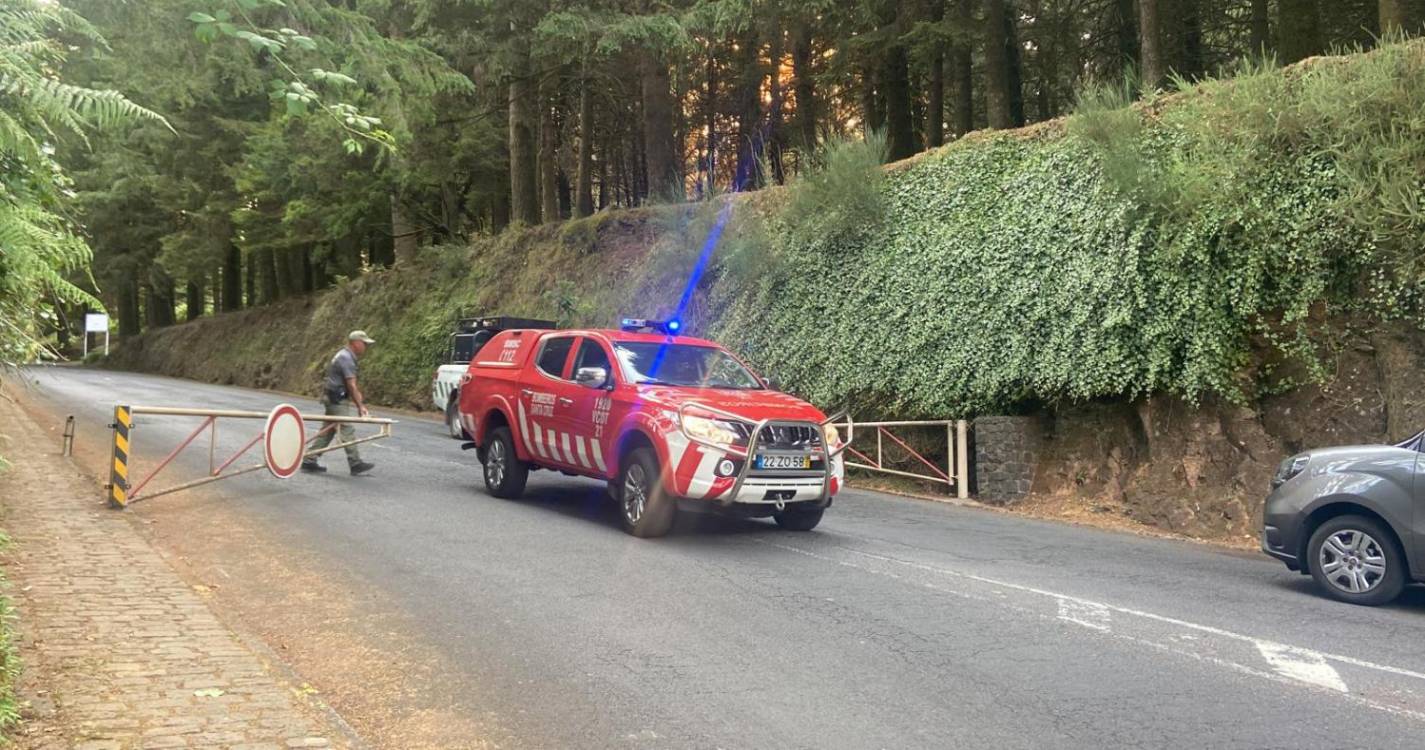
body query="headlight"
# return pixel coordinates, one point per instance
(1289, 468)
(832, 435)
(711, 430)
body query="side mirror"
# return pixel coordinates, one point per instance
(772, 384)
(592, 377)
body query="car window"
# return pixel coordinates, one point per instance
(554, 354)
(592, 355)
(684, 365)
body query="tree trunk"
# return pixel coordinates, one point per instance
(774, 115)
(548, 149)
(962, 64)
(250, 281)
(194, 301)
(130, 320)
(894, 85)
(1394, 16)
(163, 299)
(524, 190)
(710, 135)
(1151, 33)
(999, 65)
(232, 279)
(749, 120)
(1191, 62)
(267, 278)
(935, 95)
(1016, 64)
(1125, 24)
(584, 177)
(870, 103)
(660, 151)
(404, 234)
(1261, 29)
(284, 284)
(805, 87)
(1298, 29)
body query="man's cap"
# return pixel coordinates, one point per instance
(360, 336)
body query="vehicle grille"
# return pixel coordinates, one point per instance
(789, 437)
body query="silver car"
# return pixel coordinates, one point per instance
(1353, 518)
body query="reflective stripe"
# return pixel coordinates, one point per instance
(524, 430)
(552, 438)
(583, 455)
(538, 438)
(598, 452)
(568, 454)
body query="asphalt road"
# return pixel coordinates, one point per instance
(898, 623)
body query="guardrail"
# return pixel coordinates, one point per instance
(283, 436)
(955, 475)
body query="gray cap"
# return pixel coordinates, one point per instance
(359, 335)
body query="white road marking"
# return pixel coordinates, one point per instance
(1302, 664)
(1089, 616)
(1291, 665)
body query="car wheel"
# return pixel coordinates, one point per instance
(799, 520)
(645, 508)
(505, 473)
(452, 418)
(1356, 560)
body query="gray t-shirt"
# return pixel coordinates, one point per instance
(343, 366)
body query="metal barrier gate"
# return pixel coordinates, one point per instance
(284, 446)
(956, 473)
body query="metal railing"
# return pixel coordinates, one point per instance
(121, 493)
(956, 473)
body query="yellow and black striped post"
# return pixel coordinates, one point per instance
(119, 468)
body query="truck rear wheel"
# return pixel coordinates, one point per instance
(505, 473)
(645, 508)
(452, 418)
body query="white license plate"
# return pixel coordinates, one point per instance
(765, 461)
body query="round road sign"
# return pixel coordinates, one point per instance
(284, 441)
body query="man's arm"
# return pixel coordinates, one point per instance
(356, 397)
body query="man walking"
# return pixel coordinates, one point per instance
(339, 394)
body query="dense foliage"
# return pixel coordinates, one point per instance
(39, 243)
(319, 140)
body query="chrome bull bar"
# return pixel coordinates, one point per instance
(756, 426)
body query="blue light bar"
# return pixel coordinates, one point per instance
(670, 327)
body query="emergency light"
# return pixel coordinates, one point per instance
(670, 327)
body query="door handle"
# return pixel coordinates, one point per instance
(563, 401)
(526, 392)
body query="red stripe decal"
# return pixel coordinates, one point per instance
(687, 467)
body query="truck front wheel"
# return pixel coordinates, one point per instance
(505, 473)
(645, 508)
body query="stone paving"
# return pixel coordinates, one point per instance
(118, 652)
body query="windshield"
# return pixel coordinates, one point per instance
(684, 365)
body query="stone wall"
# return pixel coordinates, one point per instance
(1006, 457)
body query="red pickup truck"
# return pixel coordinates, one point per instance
(668, 421)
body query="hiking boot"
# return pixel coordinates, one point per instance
(312, 467)
(361, 468)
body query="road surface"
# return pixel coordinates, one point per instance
(898, 623)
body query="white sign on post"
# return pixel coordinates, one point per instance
(96, 323)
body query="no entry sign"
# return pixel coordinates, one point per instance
(284, 441)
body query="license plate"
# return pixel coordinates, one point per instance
(765, 461)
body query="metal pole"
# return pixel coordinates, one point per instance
(962, 461)
(212, 444)
(119, 461)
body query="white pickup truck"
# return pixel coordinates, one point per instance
(469, 336)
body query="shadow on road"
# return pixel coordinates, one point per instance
(589, 501)
(1412, 600)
